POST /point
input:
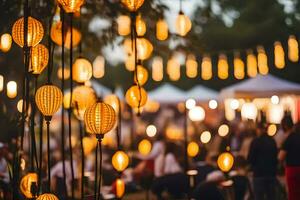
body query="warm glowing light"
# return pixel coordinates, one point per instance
(275, 113)
(1, 83)
(71, 6)
(275, 99)
(192, 149)
(144, 48)
(120, 188)
(151, 106)
(130, 62)
(190, 103)
(27, 182)
(162, 31)
(223, 130)
(136, 97)
(272, 129)
(262, 61)
(82, 70)
(205, 137)
(132, 5)
(157, 69)
(234, 104)
(225, 161)
(251, 64)
(99, 67)
(197, 114)
(11, 89)
(279, 55)
(39, 59)
(120, 161)
(113, 101)
(142, 75)
(5, 42)
(140, 26)
(173, 69)
(89, 143)
(249, 111)
(151, 130)
(191, 66)
(183, 24)
(239, 68)
(47, 196)
(212, 104)
(223, 67)
(65, 72)
(293, 49)
(206, 68)
(145, 147)
(124, 25)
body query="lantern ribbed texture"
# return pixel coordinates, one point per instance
(135, 97)
(47, 196)
(39, 59)
(82, 70)
(133, 5)
(71, 6)
(26, 183)
(35, 32)
(83, 97)
(48, 99)
(100, 118)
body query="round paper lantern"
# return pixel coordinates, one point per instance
(183, 24)
(39, 59)
(120, 161)
(48, 99)
(142, 75)
(55, 35)
(249, 111)
(197, 114)
(47, 196)
(5, 42)
(100, 118)
(151, 130)
(11, 89)
(144, 147)
(83, 97)
(71, 6)
(113, 101)
(144, 48)
(82, 70)
(27, 182)
(136, 97)
(162, 31)
(132, 5)
(192, 149)
(124, 25)
(225, 161)
(120, 188)
(35, 32)
(140, 26)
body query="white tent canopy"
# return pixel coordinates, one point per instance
(201, 93)
(260, 86)
(167, 93)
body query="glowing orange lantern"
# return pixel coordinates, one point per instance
(132, 5)
(140, 26)
(183, 24)
(120, 161)
(162, 31)
(5, 42)
(39, 59)
(142, 75)
(82, 70)
(47, 196)
(223, 67)
(239, 67)
(145, 147)
(251, 64)
(71, 6)
(124, 25)
(225, 161)
(26, 183)
(206, 68)
(279, 55)
(120, 188)
(136, 97)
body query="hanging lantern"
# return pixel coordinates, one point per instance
(223, 130)
(272, 130)
(173, 69)
(191, 66)
(140, 25)
(225, 161)
(212, 104)
(262, 61)
(20, 107)
(127, 46)
(124, 25)
(132, 5)
(1, 83)
(136, 97)
(192, 149)
(5, 42)
(279, 55)
(82, 98)
(239, 67)
(157, 69)
(82, 70)
(183, 24)
(251, 64)
(205, 137)
(28, 184)
(144, 147)
(130, 62)
(206, 68)
(113, 101)
(196, 114)
(71, 6)
(47, 196)
(120, 161)
(55, 35)
(223, 67)
(144, 48)
(48, 99)
(120, 188)
(142, 75)
(66, 73)
(35, 32)
(39, 59)
(249, 111)
(162, 31)
(11, 89)
(99, 67)
(293, 49)
(67, 100)
(100, 118)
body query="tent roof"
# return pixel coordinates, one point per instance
(167, 93)
(200, 92)
(260, 86)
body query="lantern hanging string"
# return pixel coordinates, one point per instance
(119, 125)
(50, 52)
(48, 155)
(70, 109)
(186, 162)
(62, 12)
(41, 152)
(96, 172)
(80, 29)
(100, 166)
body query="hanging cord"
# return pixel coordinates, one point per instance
(40, 153)
(48, 155)
(80, 29)
(180, 5)
(70, 109)
(96, 172)
(50, 52)
(119, 125)
(100, 166)
(186, 162)
(63, 91)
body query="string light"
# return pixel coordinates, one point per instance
(251, 64)
(71, 6)
(206, 68)
(191, 66)
(145, 147)
(274, 99)
(192, 149)
(1, 83)
(212, 104)
(162, 31)
(5, 42)
(157, 69)
(124, 24)
(183, 24)
(225, 161)
(173, 69)
(141, 75)
(293, 49)
(196, 114)
(223, 130)
(99, 67)
(190, 103)
(140, 25)
(279, 55)
(249, 111)
(205, 137)
(272, 129)
(11, 89)
(130, 62)
(239, 67)
(262, 61)
(151, 130)
(223, 67)
(144, 48)
(132, 5)
(136, 97)
(120, 188)
(66, 72)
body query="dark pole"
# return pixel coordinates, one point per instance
(186, 162)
